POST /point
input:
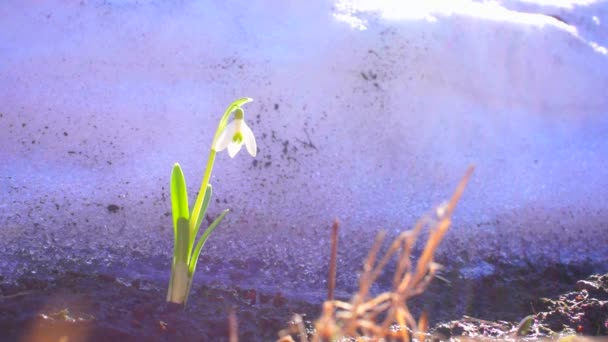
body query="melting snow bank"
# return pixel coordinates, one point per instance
(579, 18)
(371, 126)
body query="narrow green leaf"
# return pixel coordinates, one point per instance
(203, 239)
(524, 326)
(178, 287)
(181, 234)
(179, 195)
(181, 251)
(201, 215)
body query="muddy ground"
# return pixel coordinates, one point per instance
(85, 307)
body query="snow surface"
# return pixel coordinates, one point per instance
(362, 112)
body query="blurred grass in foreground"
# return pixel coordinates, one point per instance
(386, 316)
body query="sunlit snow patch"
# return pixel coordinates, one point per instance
(356, 13)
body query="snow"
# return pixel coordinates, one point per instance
(372, 123)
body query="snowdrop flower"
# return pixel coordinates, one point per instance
(235, 135)
(186, 222)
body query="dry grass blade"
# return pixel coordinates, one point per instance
(404, 264)
(423, 325)
(301, 329)
(367, 279)
(426, 258)
(233, 335)
(325, 327)
(368, 266)
(332, 261)
(401, 320)
(459, 190)
(296, 327)
(373, 303)
(385, 259)
(437, 235)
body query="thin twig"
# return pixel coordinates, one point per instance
(299, 322)
(18, 294)
(332, 260)
(423, 326)
(233, 327)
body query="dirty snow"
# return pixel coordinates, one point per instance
(363, 112)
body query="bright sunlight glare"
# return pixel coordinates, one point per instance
(351, 11)
(356, 13)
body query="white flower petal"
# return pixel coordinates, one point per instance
(234, 148)
(225, 137)
(249, 139)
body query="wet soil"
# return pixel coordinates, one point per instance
(85, 307)
(102, 308)
(583, 311)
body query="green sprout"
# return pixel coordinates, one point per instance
(186, 223)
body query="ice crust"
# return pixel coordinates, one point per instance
(373, 126)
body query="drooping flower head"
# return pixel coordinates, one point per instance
(235, 134)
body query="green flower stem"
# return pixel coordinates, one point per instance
(196, 217)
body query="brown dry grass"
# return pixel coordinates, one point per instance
(384, 317)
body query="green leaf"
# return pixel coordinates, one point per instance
(182, 245)
(201, 214)
(203, 239)
(179, 196)
(178, 286)
(524, 326)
